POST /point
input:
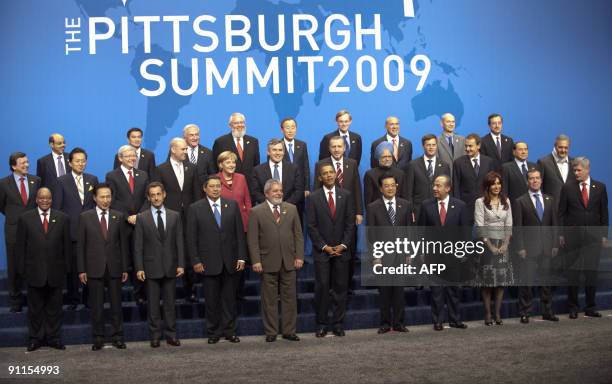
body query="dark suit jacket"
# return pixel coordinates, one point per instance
(466, 185)
(489, 148)
(250, 150)
(45, 169)
(514, 184)
(157, 257)
(325, 230)
(11, 205)
(404, 149)
(353, 153)
(371, 190)
(573, 213)
(457, 214)
(210, 245)
(94, 253)
(275, 244)
(535, 236)
(205, 165)
(352, 183)
(123, 200)
(66, 198)
(145, 163)
(293, 182)
(44, 258)
(419, 185)
(176, 199)
(552, 182)
(300, 159)
(378, 216)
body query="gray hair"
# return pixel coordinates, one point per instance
(583, 161)
(236, 114)
(447, 180)
(124, 148)
(562, 137)
(274, 142)
(190, 126)
(447, 114)
(268, 185)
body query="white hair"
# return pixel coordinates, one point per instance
(125, 148)
(236, 114)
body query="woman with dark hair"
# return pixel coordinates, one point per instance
(234, 185)
(493, 218)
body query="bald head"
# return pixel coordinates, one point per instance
(447, 122)
(178, 149)
(57, 143)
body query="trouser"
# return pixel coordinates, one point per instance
(72, 280)
(14, 279)
(269, 301)
(391, 298)
(220, 296)
(450, 295)
(525, 300)
(166, 288)
(331, 288)
(96, 302)
(44, 313)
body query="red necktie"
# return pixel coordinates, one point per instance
(103, 225)
(131, 181)
(22, 190)
(339, 175)
(240, 150)
(45, 223)
(332, 206)
(276, 214)
(442, 213)
(585, 195)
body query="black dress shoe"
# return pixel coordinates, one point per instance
(119, 344)
(525, 319)
(400, 328)
(57, 345)
(213, 340)
(192, 298)
(321, 332)
(97, 346)
(173, 342)
(499, 322)
(154, 343)
(72, 307)
(488, 323)
(438, 327)
(34, 345)
(232, 339)
(271, 338)
(339, 332)
(573, 315)
(592, 314)
(141, 302)
(384, 329)
(550, 318)
(460, 325)
(294, 337)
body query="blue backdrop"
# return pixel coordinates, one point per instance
(544, 65)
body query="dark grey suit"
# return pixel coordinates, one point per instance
(552, 181)
(420, 186)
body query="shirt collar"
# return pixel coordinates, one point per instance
(446, 200)
(55, 155)
(125, 170)
(587, 181)
(386, 201)
(272, 205)
(154, 210)
(174, 163)
(74, 175)
(18, 176)
(539, 192)
(211, 202)
(99, 211)
(332, 190)
(520, 162)
(390, 138)
(559, 158)
(477, 158)
(426, 160)
(40, 212)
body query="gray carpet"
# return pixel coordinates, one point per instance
(570, 351)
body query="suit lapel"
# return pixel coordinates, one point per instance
(148, 216)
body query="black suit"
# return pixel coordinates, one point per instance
(552, 181)
(584, 229)
(66, 198)
(159, 257)
(292, 179)
(538, 238)
(457, 219)
(11, 207)
(218, 249)
(44, 261)
(250, 150)
(488, 147)
(467, 186)
(300, 160)
(420, 186)
(146, 162)
(371, 189)
(354, 152)
(514, 182)
(331, 273)
(205, 163)
(178, 199)
(404, 149)
(103, 260)
(392, 295)
(45, 169)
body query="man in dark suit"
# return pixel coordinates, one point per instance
(347, 177)
(402, 147)
(129, 188)
(43, 249)
(53, 165)
(352, 140)
(276, 246)
(389, 211)
(556, 168)
(159, 260)
(145, 159)
(423, 171)
(494, 144)
(276, 168)
(451, 214)
(244, 146)
(584, 214)
(451, 146)
(514, 173)
(102, 250)
(384, 156)
(537, 242)
(182, 188)
(217, 248)
(17, 195)
(469, 171)
(73, 196)
(296, 152)
(331, 226)
(198, 155)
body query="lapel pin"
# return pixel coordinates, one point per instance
(284, 212)
(31, 182)
(186, 168)
(136, 174)
(593, 185)
(224, 205)
(401, 144)
(452, 206)
(248, 142)
(142, 155)
(90, 188)
(114, 217)
(53, 221)
(399, 206)
(202, 152)
(339, 196)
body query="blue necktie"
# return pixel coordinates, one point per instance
(291, 152)
(539, 206)
(451, 146)
(524, 170)
(61, 171)
(476, 167)
(276, 175)
(430, 172)
(347, 144)
(217, 215)
(391, 212)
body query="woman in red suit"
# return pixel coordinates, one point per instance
(234, 185)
